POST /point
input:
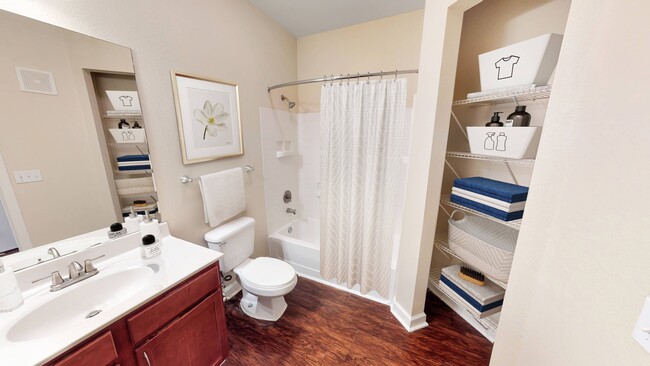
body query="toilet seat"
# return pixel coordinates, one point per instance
(266, 276)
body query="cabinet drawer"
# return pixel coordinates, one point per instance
(147, 321)
(99, 352)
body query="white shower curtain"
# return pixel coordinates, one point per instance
(361, 144)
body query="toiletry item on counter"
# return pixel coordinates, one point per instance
(116, 231)
(149, 226)
(518, 118)
(132, 222)
(10, 296)
(495, 121)
(150, 247)
(123, 124)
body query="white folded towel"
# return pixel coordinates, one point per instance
(223, 195)
(489, 201)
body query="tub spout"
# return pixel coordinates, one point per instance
(291, 210)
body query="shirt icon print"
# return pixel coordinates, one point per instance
(126, 100)
(506, 66)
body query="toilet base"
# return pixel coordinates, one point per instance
(263, 308)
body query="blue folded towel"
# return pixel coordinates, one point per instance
(501, 215)
(134, 167)
(132, 158)
(493, 188)
(467, 297)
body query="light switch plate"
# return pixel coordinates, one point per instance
(641, 331)
(27, 176)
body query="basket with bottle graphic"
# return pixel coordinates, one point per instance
(505, 142)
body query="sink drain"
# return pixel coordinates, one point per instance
(93, 313)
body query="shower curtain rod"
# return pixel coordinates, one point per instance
(342, 77)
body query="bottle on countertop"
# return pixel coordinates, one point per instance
(116, 231)
(495, 121)
(518, 118)
(150, 247)
(132, 222)
(149, 226)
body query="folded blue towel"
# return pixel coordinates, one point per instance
(134, 167)
(493, 188)
(467, 297)
(132, 157)
(501, 215)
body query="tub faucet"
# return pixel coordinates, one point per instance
(53, 252)
(291, 210)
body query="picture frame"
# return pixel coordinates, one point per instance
(208, 116)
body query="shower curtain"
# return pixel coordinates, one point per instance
(361, 144)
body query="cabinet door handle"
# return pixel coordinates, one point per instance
(146, 358)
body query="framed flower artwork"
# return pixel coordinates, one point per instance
(209, 123)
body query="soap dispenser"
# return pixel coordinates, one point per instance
(495, 121)
(10, 295)
(149, 226)
(132, 222)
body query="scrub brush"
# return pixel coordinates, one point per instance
(471, 275)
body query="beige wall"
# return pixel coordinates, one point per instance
(55, 134)
(581, 274)
(224, 39)
(385, 44)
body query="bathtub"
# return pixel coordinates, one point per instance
(298, 244)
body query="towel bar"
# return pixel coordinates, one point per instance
(185, 179)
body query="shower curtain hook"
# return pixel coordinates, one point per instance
(395, 74)
(340, 79)
(381, 75)
(324, 80)
(368, 82)
(348, 82)
(331, 79)
(358, 78)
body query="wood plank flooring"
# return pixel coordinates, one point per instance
(325, 326)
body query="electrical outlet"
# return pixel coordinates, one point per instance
(27, 176)
(641, 331)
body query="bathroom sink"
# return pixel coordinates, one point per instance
(80, 302)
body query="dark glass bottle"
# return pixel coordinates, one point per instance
(519, 118)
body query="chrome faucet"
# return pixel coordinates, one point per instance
(291, 210)
(53, 252)
(76, 273)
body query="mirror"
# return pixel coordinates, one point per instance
(66, 167)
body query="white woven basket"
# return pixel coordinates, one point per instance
(484, 244)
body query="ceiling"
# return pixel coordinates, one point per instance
(305, 17)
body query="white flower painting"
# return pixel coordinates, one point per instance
(213, 118)
(208, 118)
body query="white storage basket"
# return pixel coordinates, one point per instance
(483, 244)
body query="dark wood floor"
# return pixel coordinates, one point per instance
(325, 326)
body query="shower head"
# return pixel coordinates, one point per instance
(289, 102)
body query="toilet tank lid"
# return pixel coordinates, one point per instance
(229, 229)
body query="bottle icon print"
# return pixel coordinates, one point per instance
(488, 144)
(501, 141)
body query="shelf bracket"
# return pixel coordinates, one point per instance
(452, 169)
(512, 174)
(462, 129)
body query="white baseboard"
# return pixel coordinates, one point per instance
(411, 323)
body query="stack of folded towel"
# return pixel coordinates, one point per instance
(133, 162)
(481, 301)
(502, 200)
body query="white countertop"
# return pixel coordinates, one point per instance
(178, 261)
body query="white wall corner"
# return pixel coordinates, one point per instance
(410, 322)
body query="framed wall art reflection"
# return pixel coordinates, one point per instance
(209, 123)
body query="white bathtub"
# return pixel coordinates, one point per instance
(299, 245)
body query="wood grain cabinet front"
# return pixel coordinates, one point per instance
(196, 338)
(184, 326)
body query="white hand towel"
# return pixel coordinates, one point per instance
(223, 195)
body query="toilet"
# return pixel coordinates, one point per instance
(264, 281)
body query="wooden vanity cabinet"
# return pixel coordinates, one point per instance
(184, 326)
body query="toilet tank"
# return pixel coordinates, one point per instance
(235, 240)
